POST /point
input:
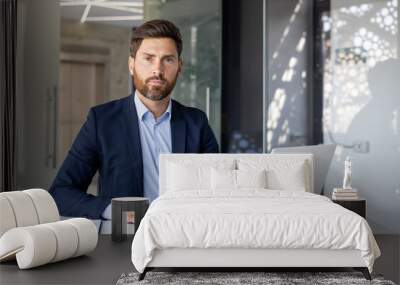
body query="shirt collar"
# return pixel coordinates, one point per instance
(142, 110)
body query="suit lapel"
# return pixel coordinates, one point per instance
(178, 130)
(132, 132)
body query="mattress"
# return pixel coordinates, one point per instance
(250, 219)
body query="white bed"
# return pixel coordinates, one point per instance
(228, 226)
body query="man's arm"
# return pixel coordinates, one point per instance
(76, 173)
(209, 142)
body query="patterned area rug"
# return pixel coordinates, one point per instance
(269, 278)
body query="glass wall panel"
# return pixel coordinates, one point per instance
(200, 24)
(289, 66)
(361, 109)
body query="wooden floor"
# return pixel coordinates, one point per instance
(389, 262)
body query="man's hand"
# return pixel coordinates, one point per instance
(107, 213)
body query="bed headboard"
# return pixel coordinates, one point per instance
(211, 159)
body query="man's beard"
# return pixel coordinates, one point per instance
(154, 93)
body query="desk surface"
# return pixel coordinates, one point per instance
(102, 266)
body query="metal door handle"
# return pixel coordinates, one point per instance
(55, 125)
(51, 142)
(208, 102)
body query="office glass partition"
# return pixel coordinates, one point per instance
(288, 73)
(200, 24)
(361, 104)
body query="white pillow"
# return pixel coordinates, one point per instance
(251, 178)
(236, 179)
(288, 179)
(223, 179)
(282, 174)
(190, 174)
(188, 178)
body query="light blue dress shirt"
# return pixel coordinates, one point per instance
(155, 138)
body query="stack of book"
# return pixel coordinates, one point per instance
(344, 194)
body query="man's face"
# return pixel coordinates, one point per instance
(155, 68)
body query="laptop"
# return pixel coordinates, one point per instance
(323, 154)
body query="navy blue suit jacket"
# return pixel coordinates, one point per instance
(109, 142)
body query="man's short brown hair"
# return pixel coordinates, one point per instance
(155, 29)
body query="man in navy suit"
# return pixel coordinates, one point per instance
(122, 139)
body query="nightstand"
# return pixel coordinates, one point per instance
(127, 213)
(358, 206)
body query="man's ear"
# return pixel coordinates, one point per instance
(180, 66)
(131, 65)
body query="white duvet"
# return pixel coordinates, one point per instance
(250, 219)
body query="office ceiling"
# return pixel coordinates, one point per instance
(127, 13)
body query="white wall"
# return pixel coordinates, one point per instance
(362, 103)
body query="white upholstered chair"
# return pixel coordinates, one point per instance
(31, 231)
